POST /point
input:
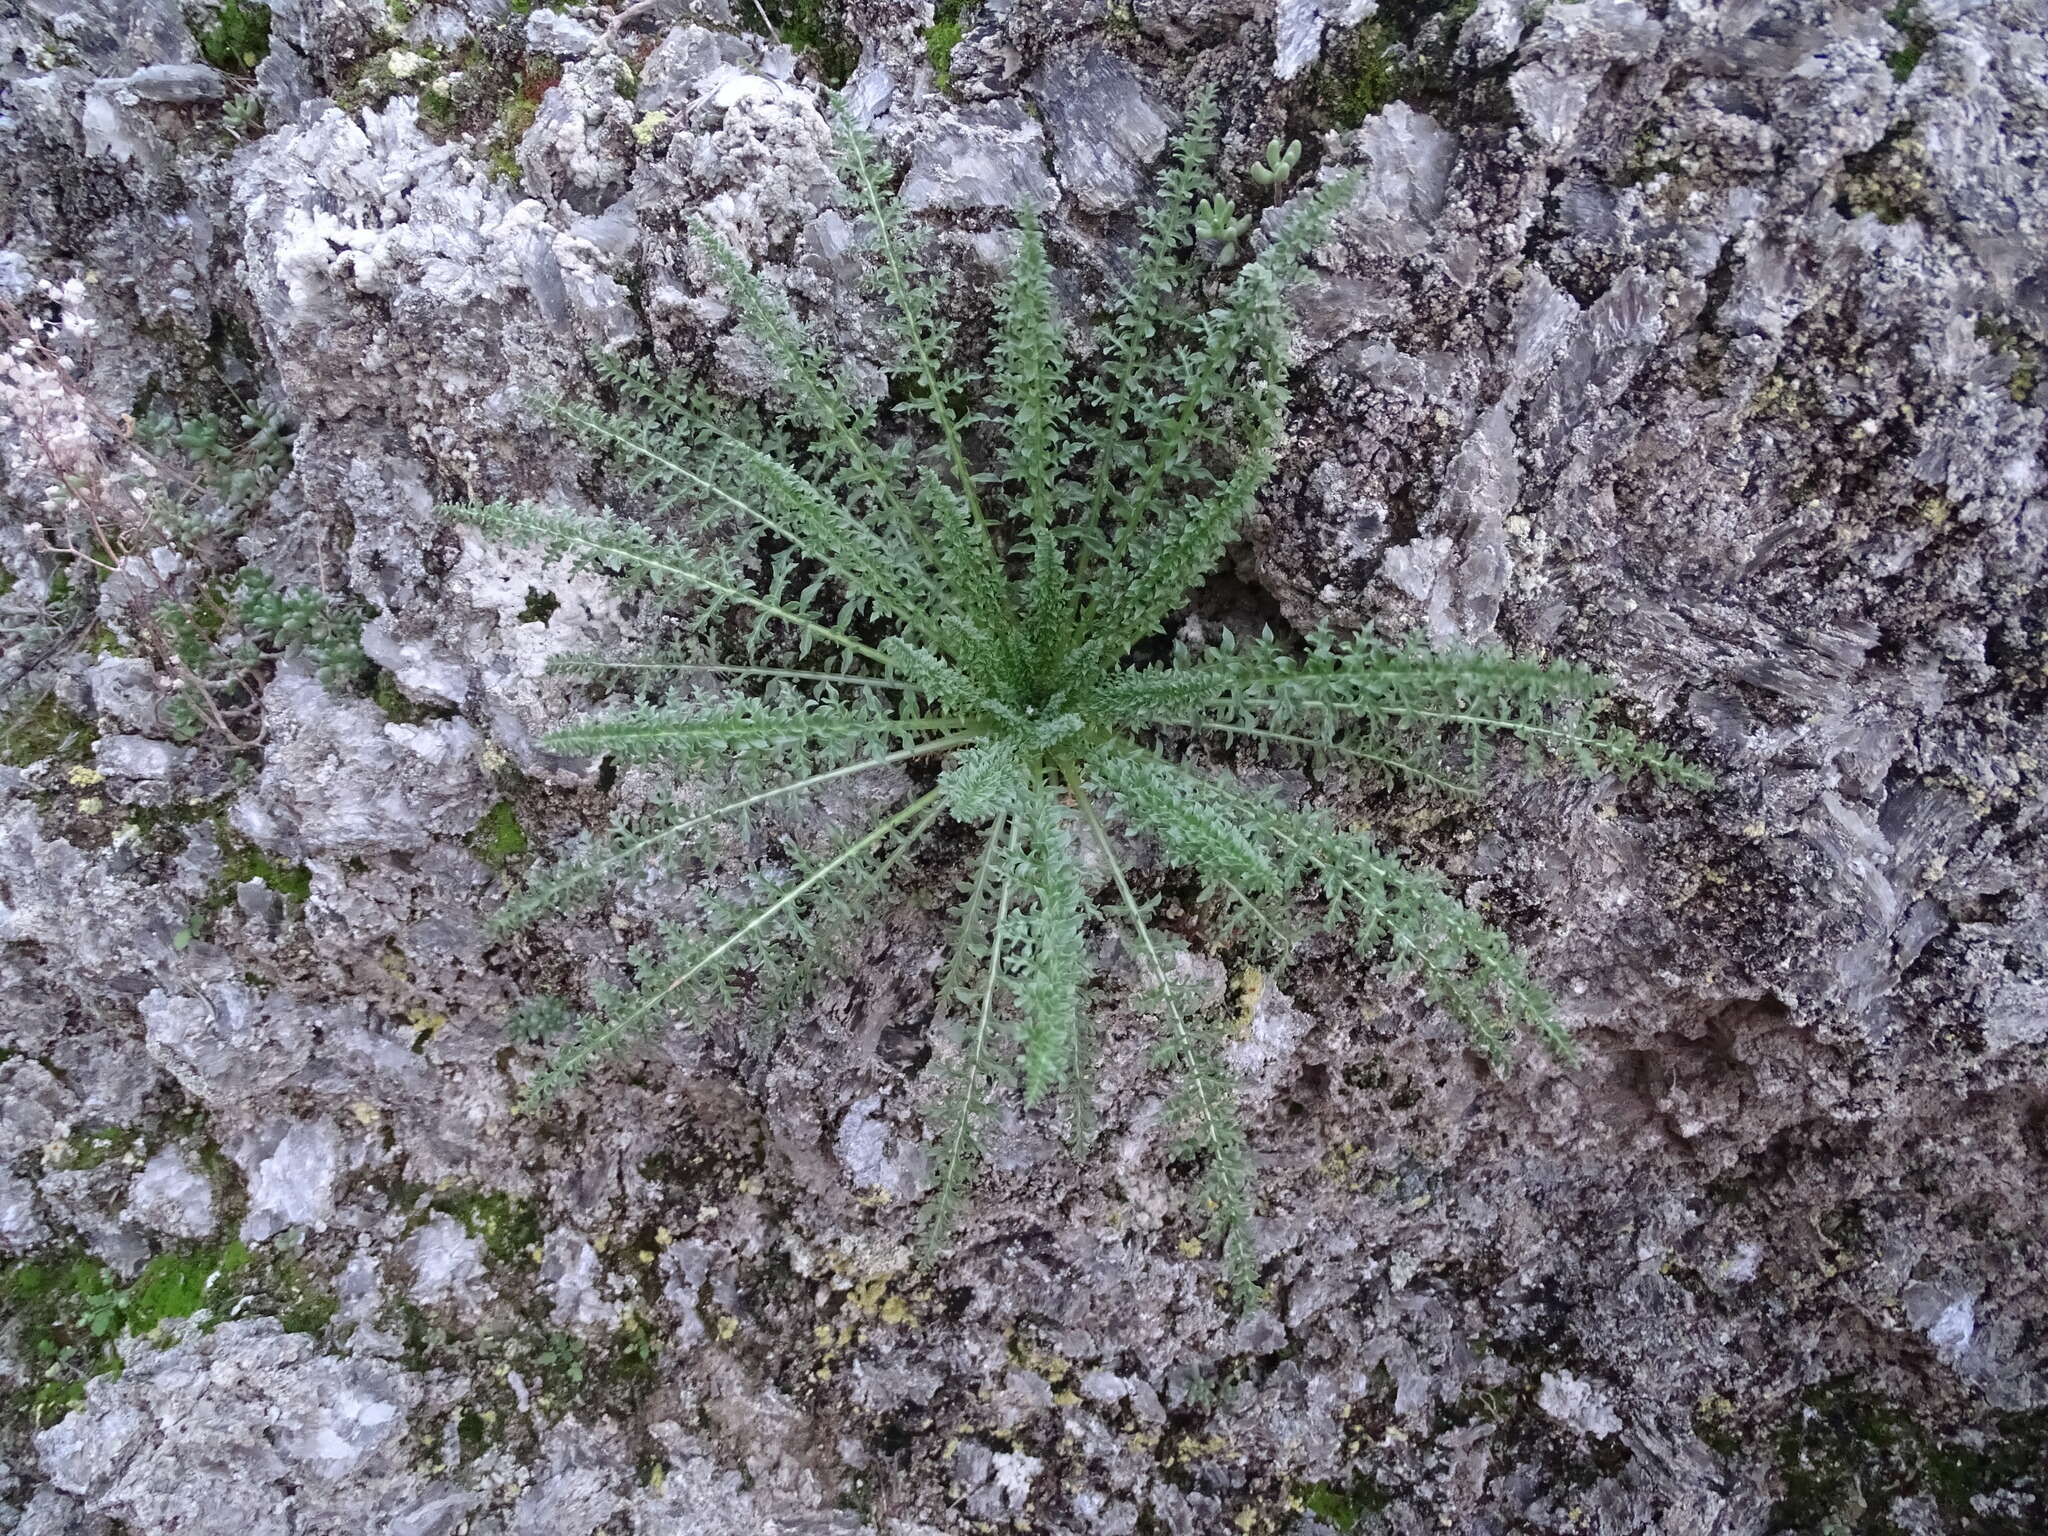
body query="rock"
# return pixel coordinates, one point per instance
(1298, 27)
(172, 1195)
(1105, 134)
(115, 120)
(549, 31)
(290, 1443)
(124, 690)
(1947, 1315)
(228, 1044)
(1409, 159)
(423, 675)
(575, 1279)
(292, 1168)
(1578, 1404)
(140, 583)
(138, 757)
(109, 927)
(447, 1263)
(36, 1107)
(341, 781)
(369, 230)
(1572, 49)
(21, 1225)
(576, 1494)
(983, 157)
(878, 1158)
(686, 57)
(575, 155)
(174, 84)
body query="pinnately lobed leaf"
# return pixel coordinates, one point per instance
(944, 623)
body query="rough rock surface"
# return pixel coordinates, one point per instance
(1700, 342)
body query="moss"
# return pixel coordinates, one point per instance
(398, 706)
(499, 839)
(940, 41)
(1342, 1507)
(509, 1227)
(537, 76)
(73, 1310)
(2015, 344)
(1847, 1457)
(176, 1284)
(438, 108)
(515, 117)
(243, 861)
(816, 29)
(1405, 51)
(238, 38)
(44, 729)
(1916, 33)
(96, 1148)
(1376, 78)
(1887, 181)
(377, 79)
(297, 1299)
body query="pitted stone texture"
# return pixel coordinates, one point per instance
(343, 781)
(288, 1442)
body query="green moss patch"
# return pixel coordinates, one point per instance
(816, 29)
(942, 39)
(1847, 1457)
(238, 37)
(43, 730)
(499, 839)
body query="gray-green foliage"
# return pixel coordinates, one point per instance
(950, 598)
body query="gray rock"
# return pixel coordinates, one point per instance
(576, 155)
(124, 689)
(1105, 134)
(292, 1169)
(172, 1195)
(174, 84)
(21, 1223)
(577, 1494)
(447, 1263)
(1947, 1315)
(1577, 1403)
(575, 1278)
(139, 757)
(685, 58)
(341, 781)
(549, 31)
(36, 1107)
(877, 1156)
(421, 671)
(227, 1044)
(1573, 47)
(370, 231)
(109, 927)
(1298, 27)
(141, 583)
(982, 157)
(290, 1442)
(115, 118)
